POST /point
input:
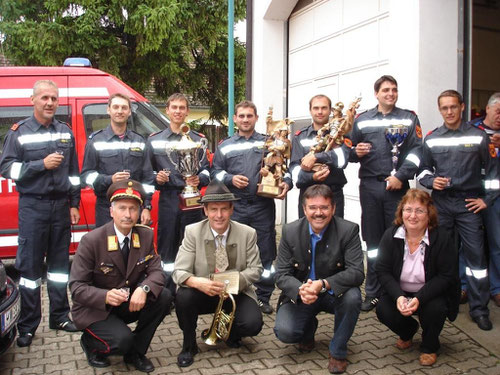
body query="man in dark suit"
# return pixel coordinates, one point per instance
(319, 268)
(113, 284)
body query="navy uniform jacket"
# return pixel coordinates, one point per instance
(461, 154)
(106, 154)
(339, 258)
(26, 145)
(336, 160)
(240, 156)
(157, 155)
(370, 127)
(98, 266)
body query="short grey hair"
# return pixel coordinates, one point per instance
(44, 82)
(494, 99)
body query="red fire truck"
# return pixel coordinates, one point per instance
(83, 95)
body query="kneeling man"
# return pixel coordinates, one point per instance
(117, 279)
(319, 268)
(214, 245)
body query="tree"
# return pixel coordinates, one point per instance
(180, 45)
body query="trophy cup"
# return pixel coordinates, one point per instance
(277, 153)
(396, 135)
(190, 155)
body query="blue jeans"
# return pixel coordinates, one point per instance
(297, 322)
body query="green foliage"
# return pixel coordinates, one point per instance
(180, 45)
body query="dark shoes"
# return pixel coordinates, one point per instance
(67, 326)
(306, 346)
(186, 357)
(496, 299)
(369, 303)
(336, 366)
(93, 358)
(233, 343)
(24, 339)
(463, 297)
(140, 362)
(483, 322)
(265, 307)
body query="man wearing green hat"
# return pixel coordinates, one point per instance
(214, 245)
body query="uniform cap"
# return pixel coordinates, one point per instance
(126, 189)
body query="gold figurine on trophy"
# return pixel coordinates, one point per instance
(278, 148)
(331, 135)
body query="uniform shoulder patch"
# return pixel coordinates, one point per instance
(430, 132)
(493, 152)
(155, 133)
(14, 127)
(95, 133)
(360, 113)
(143, 226)
(348, 142)
(418, 131)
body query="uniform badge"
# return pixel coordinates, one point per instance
(106, 268)
(129, 190)
(14, 127)
(418, 130)
(348, 142)
(493, 152)
(135, 240)
(112, 243)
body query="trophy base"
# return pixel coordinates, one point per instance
(268, 191)
(189, 201)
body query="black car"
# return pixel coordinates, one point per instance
(10, 307)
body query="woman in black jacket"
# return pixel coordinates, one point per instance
(417, 266)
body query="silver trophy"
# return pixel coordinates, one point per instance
(396, 135)
(189, 158)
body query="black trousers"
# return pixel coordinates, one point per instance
(44, 228)
(432, 316)
(189, 303)
(113, 336)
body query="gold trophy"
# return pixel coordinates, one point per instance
(187, 156)
(331, 135)
(277, 153)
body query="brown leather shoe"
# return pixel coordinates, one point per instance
(306, 346)
(403, 345)
(428, 359)
(336, 366)
(496, 299)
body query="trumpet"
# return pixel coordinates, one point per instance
(222, 322)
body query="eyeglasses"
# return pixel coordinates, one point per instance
(321, 208)
(417, 211)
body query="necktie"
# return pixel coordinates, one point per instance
(221, 261)
(125, 251)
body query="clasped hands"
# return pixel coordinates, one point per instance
(309, 291)
(407, 306)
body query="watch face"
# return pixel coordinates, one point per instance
(146, 288)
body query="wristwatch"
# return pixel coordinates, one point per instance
(323, 289)
(146, 288)
(148, 207)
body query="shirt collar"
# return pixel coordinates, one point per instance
(401, 234)
(224, 235)
(35, 125)
(121, 237)
(311, 232)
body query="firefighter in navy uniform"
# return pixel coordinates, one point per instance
(379, 191)
(39, 155)
(453, 156)
(237, 163)
(491, 125)
(114, 154)
(169, 181)
(320, 107)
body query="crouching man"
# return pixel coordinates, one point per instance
(319, 268)
(212, 246)
(117, 279)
